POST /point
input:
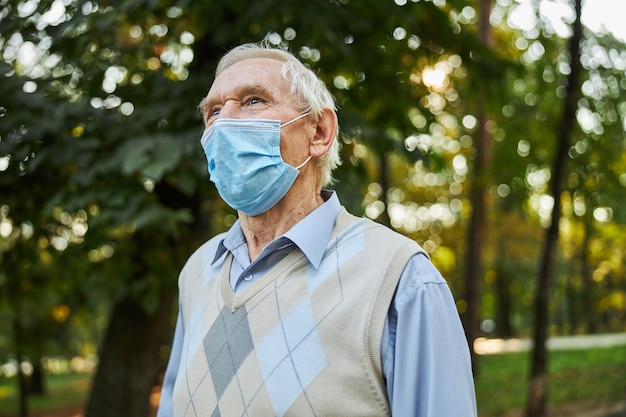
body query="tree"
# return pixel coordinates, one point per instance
(81, 134)
(537, 393)
(477, 229)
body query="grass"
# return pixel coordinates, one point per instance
(579, 377)
(62, 390)
(587, 377)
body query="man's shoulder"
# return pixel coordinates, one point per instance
(383, 237)
(388, 235)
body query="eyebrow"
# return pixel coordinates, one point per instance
(242, 91)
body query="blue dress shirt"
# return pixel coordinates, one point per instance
(425, 356)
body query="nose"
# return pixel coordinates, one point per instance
(230, 109)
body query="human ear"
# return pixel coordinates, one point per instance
(325, 133)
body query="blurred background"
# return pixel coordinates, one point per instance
(490, 131)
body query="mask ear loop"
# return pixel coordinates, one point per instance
(303, 164)
(290, 122)
(295, 119)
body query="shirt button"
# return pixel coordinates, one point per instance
(248, 277)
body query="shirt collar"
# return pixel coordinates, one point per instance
(310, 234)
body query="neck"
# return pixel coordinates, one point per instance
(261, 230)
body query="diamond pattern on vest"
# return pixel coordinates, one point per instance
(226, 345)
(291, 356)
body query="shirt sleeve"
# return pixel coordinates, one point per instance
(166, 408)
(425, 355)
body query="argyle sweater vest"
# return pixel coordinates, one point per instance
(298, 341)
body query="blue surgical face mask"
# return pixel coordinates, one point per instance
(245, 164)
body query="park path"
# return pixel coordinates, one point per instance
(485, 346)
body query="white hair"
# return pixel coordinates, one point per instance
(309, 91)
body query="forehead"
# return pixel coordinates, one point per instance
(251, 73)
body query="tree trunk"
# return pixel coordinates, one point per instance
(130, 363)
(504, 328)
(37, 379)
(504, 274)
(572, 305)
(588, 290)
(476, 232)
(383, 177)
(22, 385)
(475, 242)
(538, 386)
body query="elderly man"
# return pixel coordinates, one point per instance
(302, 309)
